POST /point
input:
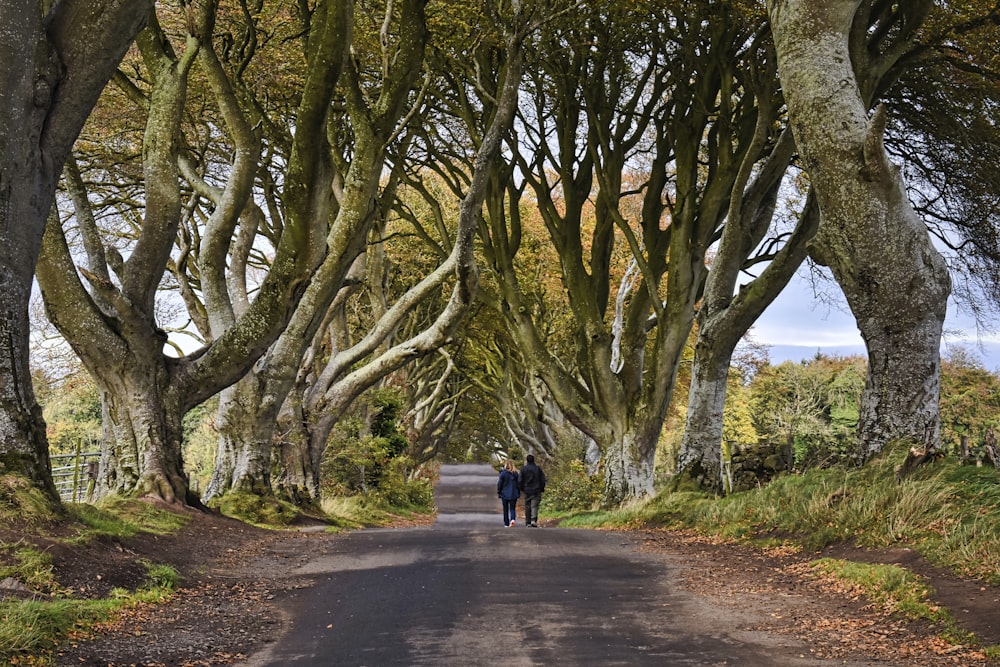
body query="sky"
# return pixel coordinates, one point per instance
(797, 325)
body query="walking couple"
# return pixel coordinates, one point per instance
(529, 480)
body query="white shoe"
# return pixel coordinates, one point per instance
(512, 522)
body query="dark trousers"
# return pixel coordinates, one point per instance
(531, 503)
(509, 510)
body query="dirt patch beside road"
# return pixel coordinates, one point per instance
(778, 586)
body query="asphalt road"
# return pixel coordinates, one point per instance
(469, 591)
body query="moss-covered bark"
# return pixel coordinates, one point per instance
(55, 65)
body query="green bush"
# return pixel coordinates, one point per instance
(363, 448)
(356, 466)
(570, 487)
(397, 490)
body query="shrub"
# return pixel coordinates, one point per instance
(357, 465)
(570, 487)
(398, 490)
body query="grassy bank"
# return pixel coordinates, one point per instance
(40, 611)
(947, 512)
(30, 628)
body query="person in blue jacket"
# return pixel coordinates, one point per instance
(507, 489)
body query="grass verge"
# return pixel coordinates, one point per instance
(893, 590)
(361, 511)
(947, 512)
(124, 517)
(31, 629)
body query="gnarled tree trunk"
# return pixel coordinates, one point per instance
(627, 464)
(243, 453)
(896, 283)
(56, 58)
(143, 437)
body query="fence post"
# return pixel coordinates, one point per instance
(92, 468)
(76, 470)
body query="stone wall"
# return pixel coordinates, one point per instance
(752, 466)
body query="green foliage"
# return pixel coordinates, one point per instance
(814, 405)
(570, 487)
(385, 422)
(72, 412)
(255, 509)
(367, 455)
(396, 490)
(970, 404)
(356, 466)
(200, 443)
(367, 459)
(737, 419)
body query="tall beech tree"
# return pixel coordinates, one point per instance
(891, 65)
(895, 281)
(305, 392)
(611, 90)
(57, 57)
(376, 85)
(115, 333)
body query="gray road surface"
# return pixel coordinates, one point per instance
(468, 591)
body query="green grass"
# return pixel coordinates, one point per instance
(348, 512)
(947, 512)
(892, 588)
(161, 577)
(258, 510)
(30, 629)
(123, 517)
(362, 511)
(23, 505)
(30, 566)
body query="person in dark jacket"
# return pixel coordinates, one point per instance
(507, 484)
(532, 484)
